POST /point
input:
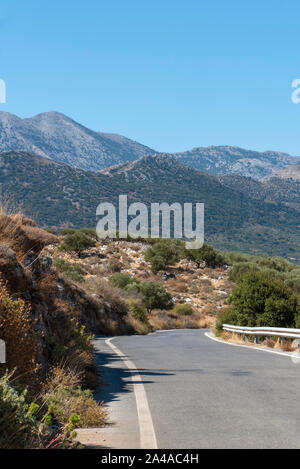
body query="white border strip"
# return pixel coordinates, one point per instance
(147, 433)
(211, 336)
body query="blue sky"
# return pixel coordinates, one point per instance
(170, 74)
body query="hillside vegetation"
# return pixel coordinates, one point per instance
(58, 196)
(57, 291)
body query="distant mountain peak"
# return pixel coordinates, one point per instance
(58, 137)
(225, 159)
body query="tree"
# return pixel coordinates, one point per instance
(155, 296)
(206, 254)
(262, 300)
(77, 242)
(163, 253)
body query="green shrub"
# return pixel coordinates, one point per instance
(155, 296)
(91, 232)
(120, 280)
(228, 317)
(260, 299)
(77, 242)
(18, 425)
(72, 271)
(183, 309)
(75, 406)
(67, 231)
(207, 255)
(51, 231)
(138, 311)
(242, 268)
(164, 252)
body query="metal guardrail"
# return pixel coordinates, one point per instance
(283, 333)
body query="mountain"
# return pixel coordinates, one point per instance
(290, 172)
(220, 160)
(278, 188)
(57, 195)
(54, 135)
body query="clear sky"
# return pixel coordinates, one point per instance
(171, 74)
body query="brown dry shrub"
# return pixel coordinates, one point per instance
(140, 327)
(61, 375)
(181, 286)
(21, 339)
(22, 234)
(161, 320)
(66, 401)
(113, 295)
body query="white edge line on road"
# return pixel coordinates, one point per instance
(147, 433)
(213, 337)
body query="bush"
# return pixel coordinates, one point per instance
(207, 254)
(18, 425)
(72, 271)
(262, 300)
(77, 242)
(120, 280)
(67, 231)
(242, 268)
(115, 266)
(111, 294)
(91, 232)
(228, 317)
(138, 311)
(66, 401)
(163, 253)
(51, 231)
(17, 330)
(183, 309)
(155, 296)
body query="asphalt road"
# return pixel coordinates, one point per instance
(201, 393)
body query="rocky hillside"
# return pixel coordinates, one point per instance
(290, 172)
(54, 135)
(58, 195)
(275, 189)
(220, 160)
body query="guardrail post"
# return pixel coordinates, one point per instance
(282, 340)
(256, 339)
(246, 337)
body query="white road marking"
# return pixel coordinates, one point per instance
(147, 433)
(259, 349)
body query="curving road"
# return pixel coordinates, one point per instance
(200, 393)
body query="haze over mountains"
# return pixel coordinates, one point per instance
(54, 135)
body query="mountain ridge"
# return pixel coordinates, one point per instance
(60, 138)
(58, 195)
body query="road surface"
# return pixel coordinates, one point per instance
(200, 393)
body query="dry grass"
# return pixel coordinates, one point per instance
(17, 329)
(22, 234)
(114, 296)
